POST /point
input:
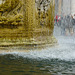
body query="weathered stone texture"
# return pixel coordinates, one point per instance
(25, 23)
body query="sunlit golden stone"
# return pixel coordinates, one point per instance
(20, 25)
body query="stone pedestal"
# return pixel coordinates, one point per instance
(31, 32)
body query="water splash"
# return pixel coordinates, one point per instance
(64, 51)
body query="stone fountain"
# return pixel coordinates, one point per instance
(27, 23)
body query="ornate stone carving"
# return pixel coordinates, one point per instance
(25, 22)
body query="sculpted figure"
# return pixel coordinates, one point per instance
(11, 13)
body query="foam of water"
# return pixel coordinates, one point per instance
(65, 51)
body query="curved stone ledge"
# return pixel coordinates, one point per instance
(28, 45)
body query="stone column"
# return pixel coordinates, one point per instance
(73, 7)
(37, 33)
(29, 17)
(59, 7)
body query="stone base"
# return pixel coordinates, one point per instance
(26, 44)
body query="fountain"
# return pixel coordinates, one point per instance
(22, 27)
(27, 23)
